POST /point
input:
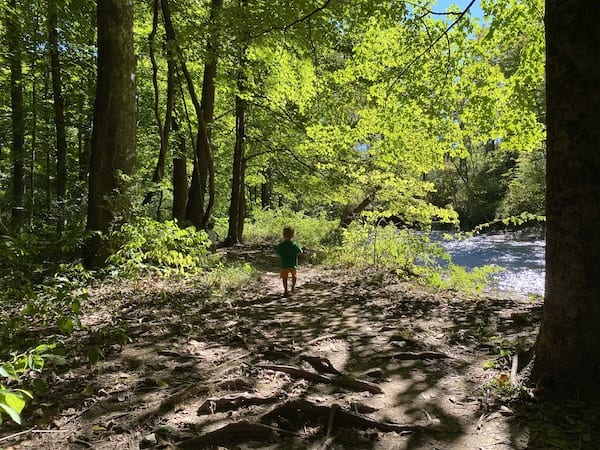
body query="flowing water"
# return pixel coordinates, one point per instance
(520, 254)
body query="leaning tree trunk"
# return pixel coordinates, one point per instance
(198, 207)
(59, 113)
(13, 34)
(567, 348)
(113, 135)
(164, 129)
(203, 182)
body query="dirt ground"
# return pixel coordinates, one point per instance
(352, 360)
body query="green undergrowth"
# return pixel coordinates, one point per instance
(312, 232)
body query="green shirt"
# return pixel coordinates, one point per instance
(289, 251)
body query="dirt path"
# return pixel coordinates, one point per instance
(351, 360)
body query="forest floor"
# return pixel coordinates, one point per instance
(352, 360)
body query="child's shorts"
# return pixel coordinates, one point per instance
(284, 273)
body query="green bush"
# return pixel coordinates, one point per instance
(401, 250)
(408, 253)
(460, 279)
(266, 226)
(150, 246)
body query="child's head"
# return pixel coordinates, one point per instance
(288, 233)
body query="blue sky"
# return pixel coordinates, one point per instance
(476, 11)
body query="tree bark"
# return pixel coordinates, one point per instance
(180, 186)
(236, 205)
(567, 356)
(14, 39)
(352, 212)
(59, 113)
(113, 134)
(237, 209)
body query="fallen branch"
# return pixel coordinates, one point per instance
(318, 412)
(340, 380)
(232, 402)
(409, 356)
(231, 433)
(32, 431)
(321, 365)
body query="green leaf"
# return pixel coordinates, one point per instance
(15, 400)
(8, 370)
(66, 325)
(14, 415)
(76, 306)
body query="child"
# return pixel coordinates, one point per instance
(288, 250)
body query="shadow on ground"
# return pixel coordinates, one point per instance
(178, 369)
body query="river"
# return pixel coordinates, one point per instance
(520, 254)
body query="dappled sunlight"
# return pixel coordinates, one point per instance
(378, 349)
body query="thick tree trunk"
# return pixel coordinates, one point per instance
(14, 39)
(113, 135)
(567, 349)
(59, 113)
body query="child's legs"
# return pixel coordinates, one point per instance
(284, 274)
(285, 284)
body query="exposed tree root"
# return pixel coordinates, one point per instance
(232, 402)
(407, 356)
(289, 410)
(340, 380)
(321, 365)
(242, 431)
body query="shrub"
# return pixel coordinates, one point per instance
(401, 250)
(311, 231)
(150, 246)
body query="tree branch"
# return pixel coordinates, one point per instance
(295, 22)
(430, 46)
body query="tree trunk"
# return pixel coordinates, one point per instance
(164, 129)
(266, 190)
(180, 186)
(198, 208)
(59, 113)
(567, 349)
(236, 205)
(352, 212)
(14, 40)
(113, 134)
(203, 181)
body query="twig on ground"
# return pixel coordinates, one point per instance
(340, 380)
(31, 430)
